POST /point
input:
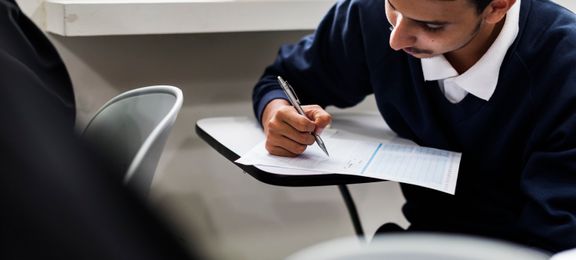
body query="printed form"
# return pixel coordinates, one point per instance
(394, 159)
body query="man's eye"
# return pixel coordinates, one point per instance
(433, 27)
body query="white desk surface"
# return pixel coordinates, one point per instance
(133, 17)
(240, 134)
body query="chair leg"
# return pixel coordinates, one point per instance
(352, 211)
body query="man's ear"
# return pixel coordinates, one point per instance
(496, 10)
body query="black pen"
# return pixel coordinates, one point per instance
(296, 104)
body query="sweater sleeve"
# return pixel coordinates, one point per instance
(327, 67)
(549, 177)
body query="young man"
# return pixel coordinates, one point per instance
(493, 79)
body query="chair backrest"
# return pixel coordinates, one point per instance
(131, 130)
(419, 246)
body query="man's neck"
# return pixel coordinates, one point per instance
(464, 58)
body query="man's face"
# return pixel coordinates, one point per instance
(426, 28)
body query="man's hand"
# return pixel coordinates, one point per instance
(289, 133)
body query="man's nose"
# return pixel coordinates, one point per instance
(402, 35)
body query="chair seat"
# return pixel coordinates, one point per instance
(418, 246)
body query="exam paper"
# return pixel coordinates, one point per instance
(393, 159)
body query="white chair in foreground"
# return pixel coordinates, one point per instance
(418, 246)
(131, 130)
(569, 254)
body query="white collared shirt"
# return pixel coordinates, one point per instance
(481, 79)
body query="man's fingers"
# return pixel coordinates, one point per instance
(283, 134)
(284, 146)
(319, 116)
(299, 122)
(289, 133)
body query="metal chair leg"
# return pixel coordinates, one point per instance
(352, 211)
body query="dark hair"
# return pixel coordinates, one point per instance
(481, 4)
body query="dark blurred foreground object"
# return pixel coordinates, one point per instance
(58, 200)
(419, 246)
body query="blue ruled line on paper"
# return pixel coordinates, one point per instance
(371, 158)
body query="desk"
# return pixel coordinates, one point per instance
(234, 136)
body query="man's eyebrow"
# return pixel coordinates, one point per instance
(434, 22)
(430, 22)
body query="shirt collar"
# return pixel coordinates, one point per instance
(481, 79)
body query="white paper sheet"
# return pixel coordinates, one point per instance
(394, 159)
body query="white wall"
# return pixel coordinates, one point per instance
(570, 4)
(210, 198)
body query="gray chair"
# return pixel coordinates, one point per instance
(131, 129)
(418, 246)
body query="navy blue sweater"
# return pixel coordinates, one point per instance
(517, 178)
